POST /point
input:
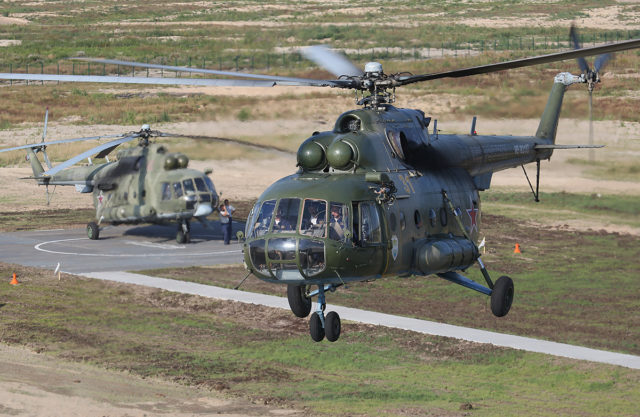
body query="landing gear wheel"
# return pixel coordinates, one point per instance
(93, 231)
(332, 326)
(184, 232)
(502, 296)
(299, 303)
(181, 237)
(315, 328)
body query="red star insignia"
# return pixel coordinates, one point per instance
(473, 216)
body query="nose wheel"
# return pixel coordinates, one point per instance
(321, 326)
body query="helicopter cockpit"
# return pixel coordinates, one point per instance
(198, 193)
(289, 238)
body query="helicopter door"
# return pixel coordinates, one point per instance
(368, 236)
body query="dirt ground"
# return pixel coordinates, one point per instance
(39, 385)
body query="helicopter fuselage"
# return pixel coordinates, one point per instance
(145, 185)
(380, 195)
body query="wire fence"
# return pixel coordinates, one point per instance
(291, 59)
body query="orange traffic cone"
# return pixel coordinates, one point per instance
(14, 281)
(517, 249)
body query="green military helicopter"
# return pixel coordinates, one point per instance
(146, 183)
(380, 195)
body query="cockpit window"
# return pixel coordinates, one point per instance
(370, 231)
(177, 189)
(314, 218)
(200, 185)
(188, 187)
(338, 221)
(286, 217)
(166, 191)
(263, 219)
(210, 184)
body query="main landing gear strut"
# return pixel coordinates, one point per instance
(320, 326)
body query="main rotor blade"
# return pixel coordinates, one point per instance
(66, 164)
(174, 81)
(224, 140)
(197, 70)
(582, 63)
(53, 142)
(524, 62)
(331, 61)
(136, 80)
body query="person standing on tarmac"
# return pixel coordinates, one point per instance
(225, 222)
(229, 210)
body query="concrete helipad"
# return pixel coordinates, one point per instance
(119, 248)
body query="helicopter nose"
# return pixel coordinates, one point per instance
(204, 209)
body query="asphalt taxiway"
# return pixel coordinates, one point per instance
(122, 249)
(129, 248)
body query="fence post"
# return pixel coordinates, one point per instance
(11, 72)
(41, 72)
(27, 72)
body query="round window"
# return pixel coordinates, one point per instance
(432, 217)
(392, 222)
(443, 216)
(417, 219)
(403, 222)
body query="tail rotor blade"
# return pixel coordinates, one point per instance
(601, 61)
(584, 67)
(591, 153)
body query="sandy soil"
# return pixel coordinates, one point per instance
(40, 385)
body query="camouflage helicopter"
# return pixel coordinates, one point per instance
(146, 183)
(380, 195)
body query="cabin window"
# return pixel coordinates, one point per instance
(286, 217)
(200, 185)
(314, 218)
(443, 216)
(188, 187)
(338, 221)
(370, 231)
(417, 219)
(403, 221)
(432, 217)
(263, 218)
(177, 189)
